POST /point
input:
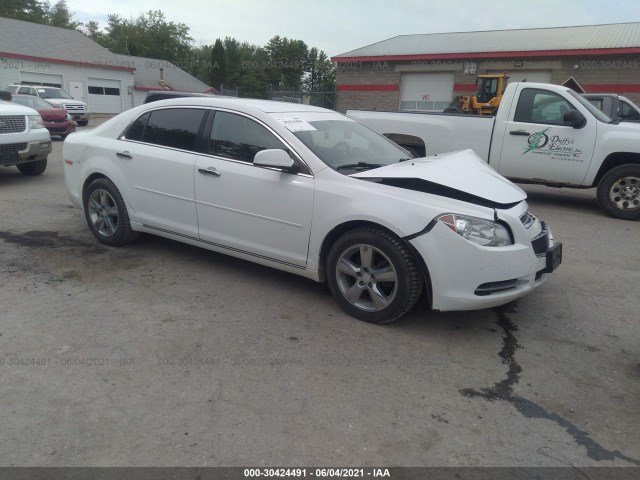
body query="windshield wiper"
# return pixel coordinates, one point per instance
(360, 166)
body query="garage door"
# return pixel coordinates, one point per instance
(105, 95)
(45, 79)
(431, 92)
(537, 76)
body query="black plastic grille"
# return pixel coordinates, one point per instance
(541, 242)
(13, 147)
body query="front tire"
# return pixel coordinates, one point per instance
(33, 168)
(619, 192)
(373, 275)
(107, 214)
(82, 123)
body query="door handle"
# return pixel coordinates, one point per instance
(521, 133)
(124, 154)
(210, 171)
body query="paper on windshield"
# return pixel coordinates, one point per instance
(295, 124)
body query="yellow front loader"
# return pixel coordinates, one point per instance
(487, 98)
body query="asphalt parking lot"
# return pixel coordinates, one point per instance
(164, 354)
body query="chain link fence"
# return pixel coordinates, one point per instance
(318, 99)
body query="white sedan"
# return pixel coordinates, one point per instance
(311, 192)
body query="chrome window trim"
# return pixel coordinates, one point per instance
(122, 137)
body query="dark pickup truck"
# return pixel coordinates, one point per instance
(615, 106)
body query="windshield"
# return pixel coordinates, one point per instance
(348, 146)
(53, 93)
(32, 102)
(592, 108)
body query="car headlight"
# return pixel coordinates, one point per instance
(482, 232)
(35, 121)
(69, 117)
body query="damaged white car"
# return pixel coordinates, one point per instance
(311, 192)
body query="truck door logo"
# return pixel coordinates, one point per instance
(537, 140)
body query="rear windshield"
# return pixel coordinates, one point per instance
(52, 93)
(599, 114)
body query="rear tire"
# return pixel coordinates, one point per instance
(619, 192)
(107, 215)
(373, 275)
(451, 110)
(33, 168)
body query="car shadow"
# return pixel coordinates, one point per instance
(420, 320)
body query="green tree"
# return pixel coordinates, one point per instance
(218, 65)
(247, 68)
(287, 59)
(149, 35)
(59, 15)
(320, 73)
(92, 30)
(27, 10)
(199, 63)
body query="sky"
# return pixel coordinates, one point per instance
(339, 26)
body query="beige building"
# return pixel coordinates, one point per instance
(426, 72)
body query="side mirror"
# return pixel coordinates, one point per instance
(5, 95)
(273, 158)
(575, 119)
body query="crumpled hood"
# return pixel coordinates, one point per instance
(462, 175)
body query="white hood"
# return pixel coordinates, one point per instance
(463, 171)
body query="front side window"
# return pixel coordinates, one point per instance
(240, 138)
(541, 106)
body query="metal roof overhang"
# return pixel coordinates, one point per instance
(471, 55)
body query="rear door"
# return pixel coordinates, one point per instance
(538, 145)
(157, 157)
(261, 211)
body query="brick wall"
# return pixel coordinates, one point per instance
(605, 74)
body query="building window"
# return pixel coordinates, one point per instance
(426, 106)
(104, 91)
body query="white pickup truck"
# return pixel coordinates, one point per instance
(542, 133)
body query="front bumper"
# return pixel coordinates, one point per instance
(60, 128)
(15, 153)
(466, 276)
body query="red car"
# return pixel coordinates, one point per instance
(56, 120)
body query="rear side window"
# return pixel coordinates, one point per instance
(240, 138)
(171, 127)
(136, 130)
(628, 111)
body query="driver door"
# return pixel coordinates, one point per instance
(265, 212)
(539, 145)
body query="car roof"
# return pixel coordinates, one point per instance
(266, 106)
